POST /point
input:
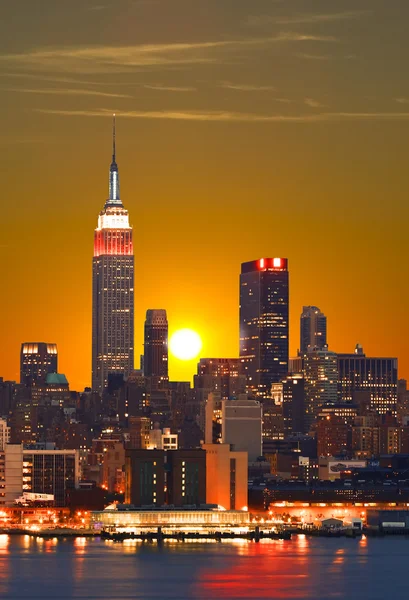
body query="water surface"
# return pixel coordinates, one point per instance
(33, 568)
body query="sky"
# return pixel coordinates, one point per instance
(245, 129)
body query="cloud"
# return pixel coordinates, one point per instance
(233, 117)
(170, 88)
(64, 92)
(313, 103)
(310, 18)
(402, 100)
(306, 56)
(243, 87)
(102, 59)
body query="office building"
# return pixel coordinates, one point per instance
(4, 434)
(376, 375)
(313, 328)
(155, 362)
(294, 404)
(332, 435)
(37, 360)
(273, 417)
(156, 477)
(51, 472)
(145, 477)
(226, 477)
(139, 430)
(321, 377)
(186, 477)
(242, 426)
(221, 375)
(113, 288)
(55, 387)
(264, 323)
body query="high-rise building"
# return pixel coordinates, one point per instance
(155, 362)
(186, 477)
(113, 288)
(313, 328)
(145, 477)
(4, 434)
(264, 322)
(294, 404)
(242, 426)
(332, 435)
(321, 377)
(226, 477)
(37, 360)
(222, 375)
(377, 376)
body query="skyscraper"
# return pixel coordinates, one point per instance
(378, 376)
(264, 322)
(155, 361)
(321, 381)
(113, 288)
(313, 328)
(37, 360)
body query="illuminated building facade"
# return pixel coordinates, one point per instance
(264, 322)
(186, 477)
(332, 435)
(321, 381)
(313, 328)
(222, 375)
(113, 288)
(226, 476)
(177, 477)
(4, 434)
(37, 360)
(155, 363)
(294, 404)
(377, 376)
(128, 520)
(52, 472)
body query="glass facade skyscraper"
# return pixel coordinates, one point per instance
(264, 323)
(113, 288)
(313, 328)
(37, 360)
(378, 376)
(155, 362)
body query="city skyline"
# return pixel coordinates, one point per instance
(238, 140)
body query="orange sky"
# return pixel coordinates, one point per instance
(270, 131)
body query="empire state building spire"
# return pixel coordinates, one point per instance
(112, 287)
(114, 198)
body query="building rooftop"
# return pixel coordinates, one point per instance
(56, 379)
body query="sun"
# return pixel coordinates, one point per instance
(185, 344)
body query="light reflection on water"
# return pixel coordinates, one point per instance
(304, 567)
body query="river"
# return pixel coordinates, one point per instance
(92, 569)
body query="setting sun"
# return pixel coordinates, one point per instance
(185, 344)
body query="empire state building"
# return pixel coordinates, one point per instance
(112, 288)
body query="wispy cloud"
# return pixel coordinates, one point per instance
(243, 87)
(310, 18)
(101, 59)
(313, 103)
(402, 100)
(170, 88)
(234, 117)
(64, 92)
(307, 56)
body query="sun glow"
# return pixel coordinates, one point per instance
(185, 344)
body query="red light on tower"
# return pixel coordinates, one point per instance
(262, 263)
(277, 263)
